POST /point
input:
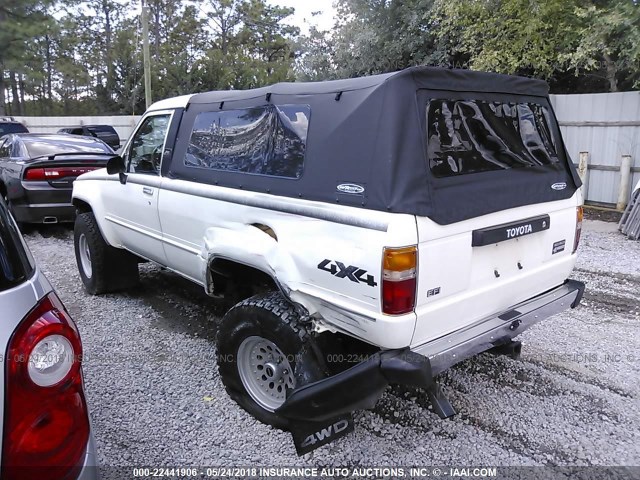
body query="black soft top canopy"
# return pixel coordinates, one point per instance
(371, 132)
(430, 78)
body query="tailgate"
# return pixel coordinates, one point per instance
(526, 251)
(505, 199)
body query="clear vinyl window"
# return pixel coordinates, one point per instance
(470, 136)
(266, 140)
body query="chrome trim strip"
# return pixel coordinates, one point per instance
(320, 211)
(46, 205)
(361, 218)
(131, 227)
(159, 238)
(181, 246)
(155, 236)
(144, 179)
(455, 347)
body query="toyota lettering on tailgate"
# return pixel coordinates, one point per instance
(508, 231)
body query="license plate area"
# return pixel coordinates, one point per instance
(509, 231)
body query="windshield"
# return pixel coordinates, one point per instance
(6, 128)
(471, 136)
(41, 146)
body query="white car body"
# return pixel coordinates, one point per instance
(184, 225)
(427, 238)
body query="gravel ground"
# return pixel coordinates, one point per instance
(156, 398)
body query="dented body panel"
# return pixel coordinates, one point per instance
(324, 248)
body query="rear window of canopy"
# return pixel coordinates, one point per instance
(471, 136)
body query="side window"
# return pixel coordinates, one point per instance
(147, 145)
(5, 148)
(17, 149)
(267, 140)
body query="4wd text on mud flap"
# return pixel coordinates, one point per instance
(325, 433)
(353, 273)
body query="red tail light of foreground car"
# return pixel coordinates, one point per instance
(53, 173)
(46, 426)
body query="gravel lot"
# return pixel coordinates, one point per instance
(156, 398)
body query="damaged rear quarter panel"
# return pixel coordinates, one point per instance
(327, 266)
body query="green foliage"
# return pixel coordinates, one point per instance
(380, 36)
(316, 61)
(509, 36)
(21, 20)
(85, 56)
(254, 47)
(371, 36)
(609, 34)
(546, 38)
(577, 45)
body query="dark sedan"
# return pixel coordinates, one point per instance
(106, 133)
(37, 173)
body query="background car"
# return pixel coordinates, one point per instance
(11, 125)
(106, 133)
(37, 173)
(44, 415)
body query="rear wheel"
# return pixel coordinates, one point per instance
(102, 267)
(263, 351)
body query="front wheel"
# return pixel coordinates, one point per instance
(102, 267)
(263, 351)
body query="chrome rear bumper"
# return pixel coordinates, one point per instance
(499, 329)
(326, 405)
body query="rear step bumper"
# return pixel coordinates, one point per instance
(361, 386)
(499, 330)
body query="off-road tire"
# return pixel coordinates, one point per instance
(112, 268)
(272, 317)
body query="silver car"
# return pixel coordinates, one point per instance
(46, 431)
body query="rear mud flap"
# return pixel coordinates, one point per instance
(307, 436)
(320, 412)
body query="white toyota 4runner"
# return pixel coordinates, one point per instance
(372, 231)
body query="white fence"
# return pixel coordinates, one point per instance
(606, 125)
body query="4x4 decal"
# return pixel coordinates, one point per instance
(353, 273)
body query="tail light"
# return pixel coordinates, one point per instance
(46, 426)
(399, 280)
(579, 216)
(54, 173)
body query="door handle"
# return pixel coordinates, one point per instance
(147, 190)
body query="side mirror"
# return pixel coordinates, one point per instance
(116, 165)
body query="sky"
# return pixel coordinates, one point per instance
(304, 8)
